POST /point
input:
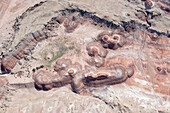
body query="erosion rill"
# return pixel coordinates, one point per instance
(97, 54)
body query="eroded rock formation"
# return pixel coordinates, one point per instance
(23, 48)
(129, 61)
(112, 40)
(69, 73)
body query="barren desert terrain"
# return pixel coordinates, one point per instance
(85, 56)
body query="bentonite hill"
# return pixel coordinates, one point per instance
(85, 56)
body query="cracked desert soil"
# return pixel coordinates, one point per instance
(147, 91)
